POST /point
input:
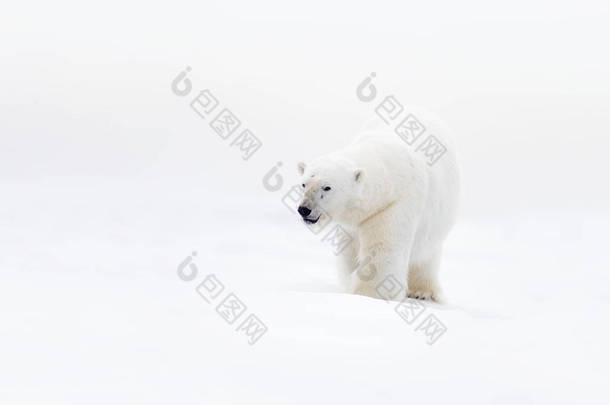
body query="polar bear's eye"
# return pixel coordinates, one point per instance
(303, 185)
(327, 188)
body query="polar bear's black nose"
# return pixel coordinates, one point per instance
(304, 211)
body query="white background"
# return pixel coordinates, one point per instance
(109, 180)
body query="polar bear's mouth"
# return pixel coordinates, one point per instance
(311, 220)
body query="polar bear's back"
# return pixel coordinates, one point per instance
(432, 123)
(377, 132)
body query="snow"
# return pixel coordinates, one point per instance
(109, 181)
(93, 309)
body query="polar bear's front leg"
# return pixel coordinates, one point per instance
(347, 262)
(387, 265)
(385, 244)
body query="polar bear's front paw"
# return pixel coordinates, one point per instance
(424, 295)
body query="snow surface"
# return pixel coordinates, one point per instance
(93, 310)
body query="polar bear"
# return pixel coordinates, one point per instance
(394, 190)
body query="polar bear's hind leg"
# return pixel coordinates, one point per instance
(423, 279)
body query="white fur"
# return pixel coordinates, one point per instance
(397, 208)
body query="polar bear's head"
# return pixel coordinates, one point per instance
(330, 187)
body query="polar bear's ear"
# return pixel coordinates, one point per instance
(358, 175)
(301, 168)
